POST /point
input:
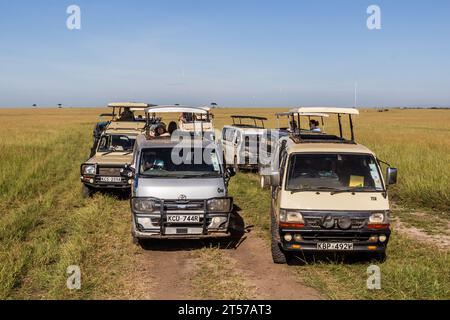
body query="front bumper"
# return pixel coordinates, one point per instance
(95, 182)
(160, 228)
(312, 238)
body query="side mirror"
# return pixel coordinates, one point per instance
(275, 179)
(127, 172)
(230, 172)
(391, 176)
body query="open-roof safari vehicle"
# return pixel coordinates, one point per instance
(240, 141)
(203, 121)
(112, 150)
(328, 193)
(180, 183)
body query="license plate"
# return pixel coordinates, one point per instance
(335, 246)
(110, 179)
(183, 218)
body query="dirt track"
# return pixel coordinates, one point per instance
(167, 270)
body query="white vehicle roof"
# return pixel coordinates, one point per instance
(136, 105)
(327, 110)
(307, 114)
(176, 109)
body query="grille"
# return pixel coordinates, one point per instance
(110, 172)
(334, 237)
(316, 223)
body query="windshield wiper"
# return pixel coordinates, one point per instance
(355, 189)
(109, 152)
(201, 175)
(313, 189)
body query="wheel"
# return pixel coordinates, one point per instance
(86, 191)
(235, 165)
(264, 182)
(278, 255)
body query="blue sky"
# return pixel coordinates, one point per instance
(235, 53)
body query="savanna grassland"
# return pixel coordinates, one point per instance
(45, 224)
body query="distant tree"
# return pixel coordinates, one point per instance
(213, 105)
(35, 105)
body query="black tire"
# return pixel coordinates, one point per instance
(278, 255)
(86, 191)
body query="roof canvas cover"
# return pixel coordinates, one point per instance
(303, 110)
(307, 114)
(136, 105)
(176, 109)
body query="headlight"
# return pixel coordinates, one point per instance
(146, 223)
(291, 216)
(89, 169)
(144, 205)
(219, 205)
(377, 218)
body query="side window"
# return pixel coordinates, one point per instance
(230, 135)
(224, 134)
(238, 138)
(102, 146)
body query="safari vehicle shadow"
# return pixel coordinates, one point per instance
(237, 236)
(302, 259)
(121, 195)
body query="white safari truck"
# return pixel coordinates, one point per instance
(328, 192)
(180, 187)
(240, 141)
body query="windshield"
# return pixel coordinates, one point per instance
(116, 143)
(166, 162)
(333, 172)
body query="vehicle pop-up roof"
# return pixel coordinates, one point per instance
(153, 110)
(118, 106)
(251, 118)
(305, 135)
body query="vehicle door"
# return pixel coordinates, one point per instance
(276, 191)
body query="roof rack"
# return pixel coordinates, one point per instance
(299, 135)
(254, 118)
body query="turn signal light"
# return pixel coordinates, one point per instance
(292, 225)
(378, 226)
(372, 248)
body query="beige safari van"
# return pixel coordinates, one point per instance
(328, 191)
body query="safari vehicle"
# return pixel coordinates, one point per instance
(180, 185)
(136, 111)
(189, 121)
(112, 151)
(328, 193)
(240, 141)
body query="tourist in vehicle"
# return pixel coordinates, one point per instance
(172, 127)
(314, 126)
(127, 115)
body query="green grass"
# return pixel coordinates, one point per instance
(46, 226)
